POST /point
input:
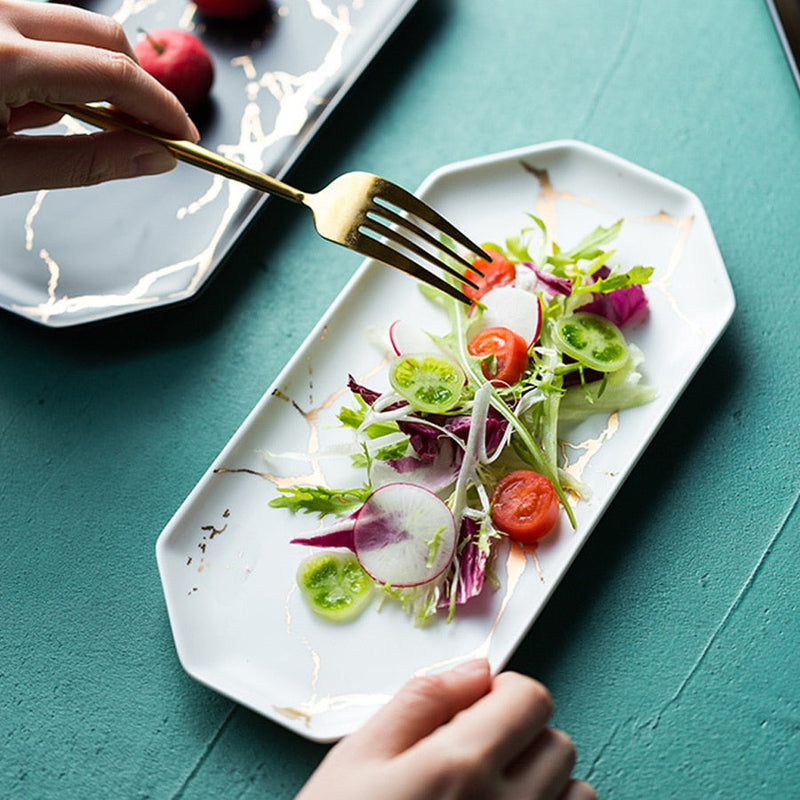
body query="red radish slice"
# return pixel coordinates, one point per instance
(513, 308)
(404, 535)
(407, 338)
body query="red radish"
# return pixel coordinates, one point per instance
(179, 61)
(229, 9)
(404, 535)
(512, 308)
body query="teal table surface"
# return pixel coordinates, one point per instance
(672, 646)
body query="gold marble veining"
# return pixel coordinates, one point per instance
(663, 280)
(587, 448)
(516, 564)
(327, 704)
(547, 196)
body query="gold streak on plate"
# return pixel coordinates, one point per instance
(324, 705)
(663, 281)
(588, 447)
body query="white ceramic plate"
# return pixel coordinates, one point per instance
(228, 570)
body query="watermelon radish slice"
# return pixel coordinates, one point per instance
(404, 535)
(513, 308)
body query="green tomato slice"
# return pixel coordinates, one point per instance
(334, 585)
(594, 341)
(428, 381)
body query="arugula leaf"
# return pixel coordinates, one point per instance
(392, 451)
(354, 418)
(320, 499)
(623, 280)
(589, 248)
(517, 246)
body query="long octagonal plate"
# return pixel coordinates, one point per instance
(74, 256)
(228, 570)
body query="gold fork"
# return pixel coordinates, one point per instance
(361, 211)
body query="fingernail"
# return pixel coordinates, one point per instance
(154, 163)
(473, 667)
(195, 131)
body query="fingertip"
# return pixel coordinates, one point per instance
(529, 693)
(424, 703)
(153, 163)
(578, 790)
(195, 136)
(476, 666)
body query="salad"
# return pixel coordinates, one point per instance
(462, 451)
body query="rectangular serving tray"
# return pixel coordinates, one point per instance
(226, 562)
(74, 256)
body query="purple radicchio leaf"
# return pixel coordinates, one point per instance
(338, 534)
(369, 396)
(472, 566)
(495, 428)
(620, 306)
(552, 284)
(428, 442)
(589, 375)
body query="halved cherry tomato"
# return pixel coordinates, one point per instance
(525, 506)
(497, 272)
(510, 353)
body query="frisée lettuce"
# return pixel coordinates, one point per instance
(435, 445)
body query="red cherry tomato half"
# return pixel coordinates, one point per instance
(510, 353)
(525, 506)
(497, 272)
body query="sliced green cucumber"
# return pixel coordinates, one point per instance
(334, 585)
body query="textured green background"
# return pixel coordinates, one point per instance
(673, 645)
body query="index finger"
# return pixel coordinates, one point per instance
(73, 73)
(501, 724)
(420, 707)
(53, 22)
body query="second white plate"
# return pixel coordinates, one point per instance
(228, 570)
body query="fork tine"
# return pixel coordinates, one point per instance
(396, 196)
(377, 227)
(420, 232)
(373, 248)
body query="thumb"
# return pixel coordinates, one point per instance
(53, 162)
(421, 706)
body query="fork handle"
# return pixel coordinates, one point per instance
(182, 149)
